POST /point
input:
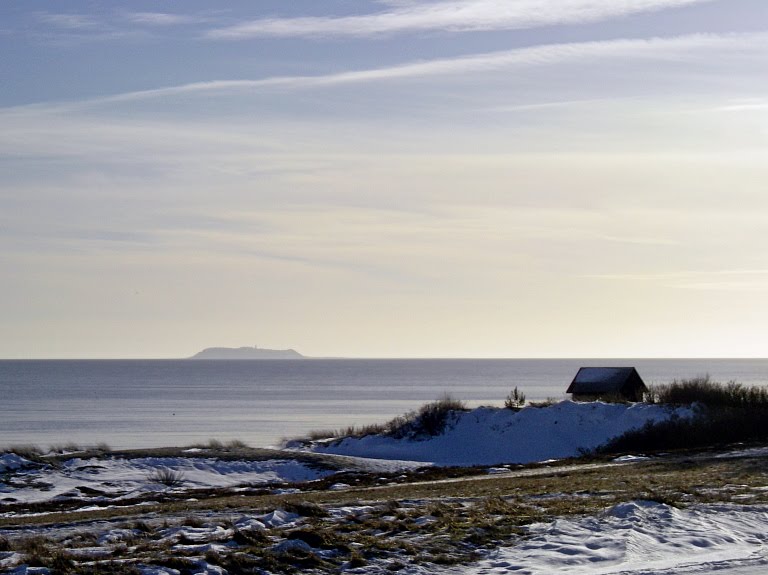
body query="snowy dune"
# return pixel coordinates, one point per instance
(488, 435)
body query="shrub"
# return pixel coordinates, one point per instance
(236, 444)
(703, 390)
(430, 420)
(167, 477)
(727, 413)
(709, 428)
(515, 399)
(545, 402)
(218, 445)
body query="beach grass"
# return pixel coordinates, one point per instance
(428, 420)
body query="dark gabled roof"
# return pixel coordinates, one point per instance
(593, 380)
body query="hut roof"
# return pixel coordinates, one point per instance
(594, 380)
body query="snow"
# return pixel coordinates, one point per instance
(12, 462)
(639, 537)
(279, 518)
(632, 538)
(489, 436)
(9, 558)
(630, 458)
(110, 478)
(598, 373)
(291, 545)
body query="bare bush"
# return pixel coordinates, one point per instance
(166, 476)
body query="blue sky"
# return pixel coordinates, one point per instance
(465, 178)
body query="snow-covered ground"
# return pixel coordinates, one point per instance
(483, 436)
(488, 435)
(100, 479)
(632, 538)
(639, 538)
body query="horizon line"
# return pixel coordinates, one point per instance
(361, 357)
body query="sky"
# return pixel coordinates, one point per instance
(444, 178)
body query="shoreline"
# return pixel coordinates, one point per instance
(129, 404)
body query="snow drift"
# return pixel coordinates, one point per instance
(639, 538)
(489, 435)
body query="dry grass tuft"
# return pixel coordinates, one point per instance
(166, 476)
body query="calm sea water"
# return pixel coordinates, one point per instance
(137, 403)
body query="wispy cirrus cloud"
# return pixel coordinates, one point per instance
(72, 28)
(162, 18)
(68, 21)
(452, 15)
(121, 24)
(745, 106)
(677, 47)
(715, 280)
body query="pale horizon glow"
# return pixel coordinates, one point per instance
(451, 178)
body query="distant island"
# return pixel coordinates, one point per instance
(246, 353)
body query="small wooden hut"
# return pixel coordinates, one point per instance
(607, 383)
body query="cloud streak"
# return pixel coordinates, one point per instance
(716, 280)
(451, 16)
(744, 106)
(162, 19)
(68, 21)
(678, 47)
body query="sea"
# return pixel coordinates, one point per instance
(153, 403)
